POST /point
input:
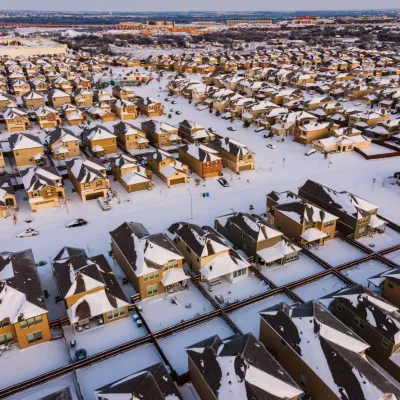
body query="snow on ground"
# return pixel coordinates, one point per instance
(115, 368)
(104, 337)
(247, 318)
(394, 256)
(19, 365)
(160, 313)
(376, 149)
(336, 252)
(381, 241)
(293, 271)
(241, 289)
(361, 272)
(174, 346)
(320, 288)
(49, 388)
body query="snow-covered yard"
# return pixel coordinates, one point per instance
(49, 388)
(394, 256)
(376, 149)
(293, 271)
(115, 368)
(241, 289)
(19, 365)
(361, 272)
(159, 312)
(320, 288)
(336, 252)
(247, 318)
(104, 337)
(381, 241)
(174, 346)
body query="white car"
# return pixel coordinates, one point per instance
(231, 128)
(309, 152)
(271, 146)
(28, 233)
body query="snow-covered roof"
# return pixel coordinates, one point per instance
(40, 177)
(278, 251)
(19, 141)
(174, 275)
(98, 133)
(88, 170)
(313, 234)
(201, 152)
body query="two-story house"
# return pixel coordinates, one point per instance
(57, 98)
(27, 149)
(23, 307)
(89, 178)
(130, 137)
(82, 97)
(47, 117)
(160, 133)
(63, 143)
(33, 100)
(152, 263)
(100, 140)
(149, 107)
(388, 284)
(123, 92)
(124, 109)
(16, 120)
(194, 132)
(7, 195)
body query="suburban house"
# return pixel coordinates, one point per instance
(27, 149)
(47, 117)
(341, 144)
(167, 168)
(149, 107)
(356, 215)
(90, 290)
(124, 109)
(100, 140)
(152, 263)
(23, 307)
(63, 143)
(256, 238)
(73, 115)
(82, 97)
(160, 133)
(208, 253)
(235, 155)
(102, 112)
(300, 220)
(123, 92)
(89, 178)
(238, 368)
(388, 283)
(44, 187)
(16, 120)
(152, 383)
(373, 319)
(130, 137)
(130, 173)
(33, 100)
(306, 134)
(57, 98)
(203, 160)
(194, 132)
(321, 354)
(7, 195)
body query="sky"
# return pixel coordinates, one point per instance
(194, 5)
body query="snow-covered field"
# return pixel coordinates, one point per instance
(104, 337)
(115, 368)
(247, 318)
(381, 241)
(19, 365)
(160, 313)
(361, 272)
(320, 288)
(336, 252)
(174, 346)
(293, 271)
(376, 149)
(394, 256)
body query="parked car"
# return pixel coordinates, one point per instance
(178, 113)
(28, 233)
(309, 152)
(104, 204)
(271, 146)
(212, 130)
(80, 354)
(261, 128)
(174, 102)
(231, 128)
(166, 99)
(223, 182)
(77, 222)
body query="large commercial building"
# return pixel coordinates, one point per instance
(17, 47)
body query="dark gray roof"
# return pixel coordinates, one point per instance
(7, 186)
(58, 133)
(14, 139)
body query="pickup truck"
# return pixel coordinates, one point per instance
(105, 205)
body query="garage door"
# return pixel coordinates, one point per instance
(93, 196)
(44, 205)
(245, 167)
(177, 181)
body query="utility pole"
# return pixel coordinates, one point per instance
(373, 183)
(191, 204)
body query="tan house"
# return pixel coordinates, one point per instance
(306, 134)
(160, 133)
(167, 168)
(152, 263)
(16, 120)
(47, 117)
(194, 132)
(33, 100)
(90, 290)
(103, 114)
(83, 97)
(57, 98)
(28, 323)
(100, 140)
(388, 283)
(44, 187)
(341, 144)
(130, 137)
(73, 115)
(124, 109)
(235, 155)
(63, 144)
(7, 196)
(149, 107)
(203, 160)
(7, 101)
(123, 92)
(89, 178)
(19, 87)
(132, 176)
(27, 149)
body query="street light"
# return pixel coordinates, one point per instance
(191, 204)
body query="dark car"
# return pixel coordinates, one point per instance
(80, 354)
(174, 102)
(178, 113)
(77, 222)
(223, 182)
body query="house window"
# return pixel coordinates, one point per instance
(390, 284)
(339, 307)
(31, 322)
(5, 322)
(99, 183)
(35, 193)
(207, 163)
(151, 276)
(216, 162)
(34, 337)
(188, 249)
(357, 321)
(385, 343)
(170, 264)
(116, 313)
(152, 289)
(8, 337)
(49, 192)
(329, 223)
(87, 185)
(283, 342)
(303, 381)
(240, 272)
